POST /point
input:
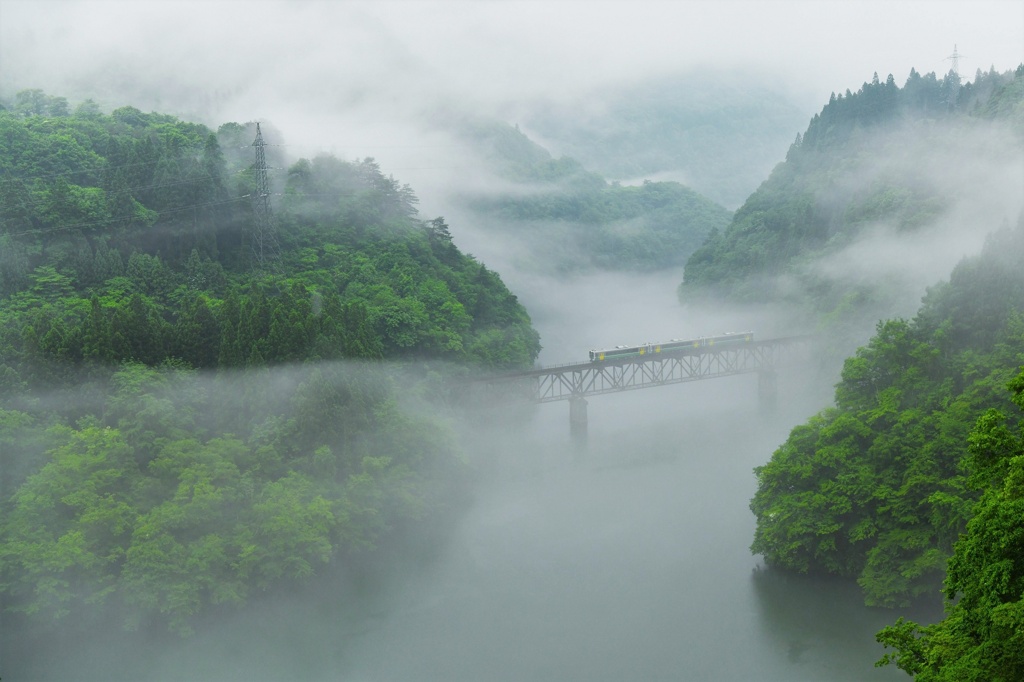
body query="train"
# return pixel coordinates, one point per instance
(675, 345)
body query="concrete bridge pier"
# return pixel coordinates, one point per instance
(578, 421)
(768, 390)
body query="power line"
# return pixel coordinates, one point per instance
(107, 221)
(27, 179)
(80, 171)
(110, 193)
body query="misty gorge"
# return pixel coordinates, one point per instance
(320, 324)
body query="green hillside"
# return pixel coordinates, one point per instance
(573, 219)
(981, 637)
(180, 430)
(910, 481)
(883, 486)
(867, 160)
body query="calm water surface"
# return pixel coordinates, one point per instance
(627, 560)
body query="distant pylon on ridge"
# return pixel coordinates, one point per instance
(955, 70)
(955, 58)
(263, 240)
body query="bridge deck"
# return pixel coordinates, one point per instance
(582, 379)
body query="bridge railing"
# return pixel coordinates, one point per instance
(640, 359)
(576, 381)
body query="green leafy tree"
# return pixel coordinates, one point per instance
(982, 635)
(70, 524)
(133, 480)
(874, 488)
(197, 335)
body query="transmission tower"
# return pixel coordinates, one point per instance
(263, 241)
(955, 58)
(955, 70)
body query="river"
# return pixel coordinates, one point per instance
(628, 560)
(624, 560)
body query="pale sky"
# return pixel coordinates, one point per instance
(493, 51)
(306, 65)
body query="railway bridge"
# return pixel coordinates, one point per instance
(575, 382)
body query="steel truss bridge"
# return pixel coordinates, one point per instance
(577, 381)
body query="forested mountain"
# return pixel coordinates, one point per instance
(717, 133)
(911, 477)
(981, 637)
(572, 218)
(885, 165)
(143, 208)
(881, 486)
(177, 428)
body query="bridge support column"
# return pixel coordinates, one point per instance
(768, 390)
(578, 421)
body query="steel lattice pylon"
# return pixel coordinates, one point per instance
(263, 240)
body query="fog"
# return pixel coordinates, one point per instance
(972, 174)
(627, 559)
(355, 78)
(235, 54)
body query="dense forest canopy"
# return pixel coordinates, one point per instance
(143, 207)
(910, 478)
(573, 218)
(982, 636)
(180, 429)
(883, 486)
(874, 487)
(882, 158)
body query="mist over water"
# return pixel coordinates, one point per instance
(630, 563)
(627, 559)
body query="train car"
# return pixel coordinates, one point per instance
(672, 346)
